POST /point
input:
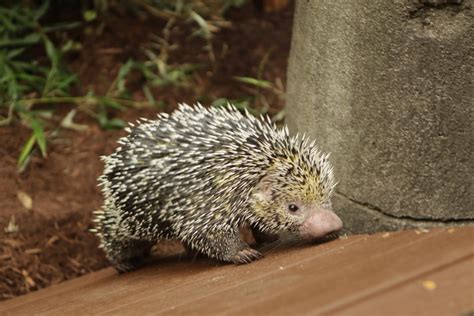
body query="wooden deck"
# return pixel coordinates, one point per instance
(403, 273)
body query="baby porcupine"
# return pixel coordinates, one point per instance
(199, 174)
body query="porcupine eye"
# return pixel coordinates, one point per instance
(293, 208)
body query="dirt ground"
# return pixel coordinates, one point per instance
(52, 200)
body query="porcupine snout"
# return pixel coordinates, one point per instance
(320, 223)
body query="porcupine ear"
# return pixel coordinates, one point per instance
(265, 186)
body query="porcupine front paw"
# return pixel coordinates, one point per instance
(246, 255)
(128, 255)
(129, 265)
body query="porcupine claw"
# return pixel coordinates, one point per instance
(246, 255)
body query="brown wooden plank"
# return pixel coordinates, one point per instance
(111, 291)
(434, 290)
(309, 279)
(94, 278)
(212, 284)
(316, 285)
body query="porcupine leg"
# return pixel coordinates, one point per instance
(128, 255)
(226, 245)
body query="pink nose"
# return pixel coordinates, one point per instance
(320, 224)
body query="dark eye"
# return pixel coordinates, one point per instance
(293, 207)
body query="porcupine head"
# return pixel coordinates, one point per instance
(294, 195)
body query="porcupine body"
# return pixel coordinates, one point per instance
(199, 174)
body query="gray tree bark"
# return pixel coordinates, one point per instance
(387, 88)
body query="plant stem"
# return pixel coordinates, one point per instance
(8, 119)
(82, 99)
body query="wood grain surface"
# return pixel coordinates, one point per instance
(403, 273)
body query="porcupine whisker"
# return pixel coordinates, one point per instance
(268, 248)
(194, 258)
(286, 241)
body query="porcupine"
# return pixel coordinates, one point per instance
(199, 174)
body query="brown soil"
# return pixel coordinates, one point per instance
(53, 242)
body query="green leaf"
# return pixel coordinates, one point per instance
(243, 104)
(38, 132)
(101, 118)
(232, 3)
(41, 10)
(89, 15)
(14, 53)
(71, 46)
(220, 102)
(61, 27)
(123, 72)
(25, 152)
(114, 123)
(67, 80)
(204, 31)
(240, 104)
(255, 82)
(111, 103)
(51, 51)
(30, 39)
(149, 95)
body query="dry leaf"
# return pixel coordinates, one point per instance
(429, 285)
(420, 231)
(25, 200)
(28, 279)
(33, 251)
(52, 240)
(12, 227)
